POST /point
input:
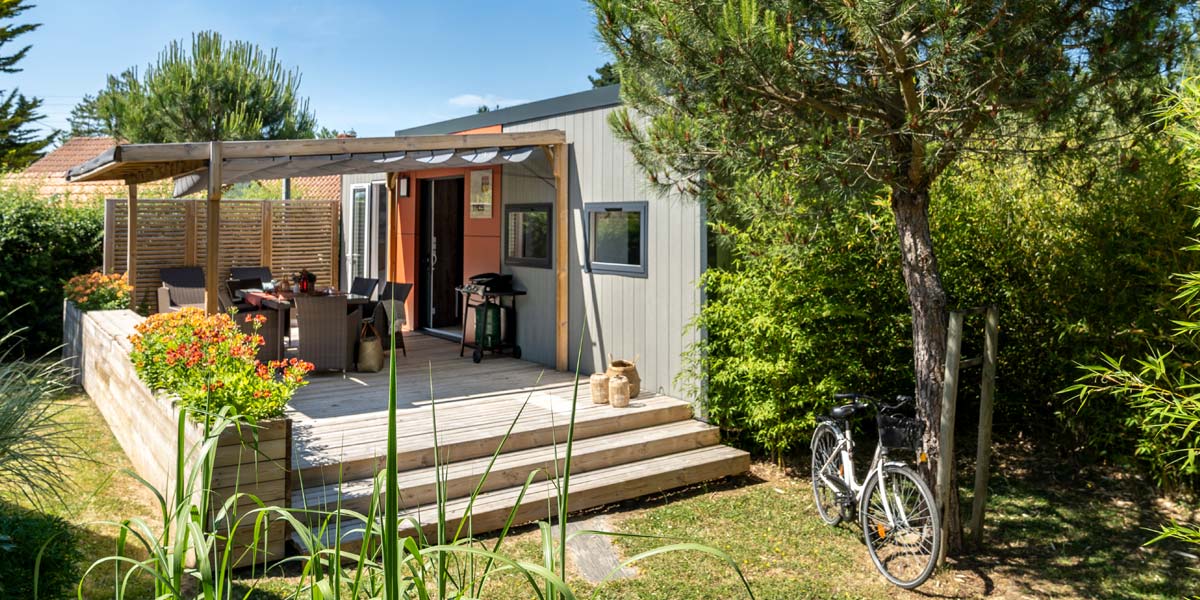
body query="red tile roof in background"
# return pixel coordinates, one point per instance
(51, 168)
(74, 151)
(323, 187)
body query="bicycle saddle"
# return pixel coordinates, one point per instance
(846, 411)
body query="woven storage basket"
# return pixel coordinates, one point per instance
(628, 369)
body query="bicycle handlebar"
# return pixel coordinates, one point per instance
(855, 396)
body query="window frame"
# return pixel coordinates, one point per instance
(604, 268)
(519, 261)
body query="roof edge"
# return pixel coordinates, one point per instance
(609, 95)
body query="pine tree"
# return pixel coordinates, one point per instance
(20, 144)
(606, 74)
(208, 90)
(86, 121)
(881, 92)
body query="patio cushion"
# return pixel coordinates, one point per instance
(262, 274)
(191, 277)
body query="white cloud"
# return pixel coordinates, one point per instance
(490, 100)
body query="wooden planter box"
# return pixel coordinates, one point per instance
(253, 461)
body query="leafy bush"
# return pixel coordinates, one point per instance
(209, 363)
(1078, 254)
(37, 549)
(97, 291)
(42, 243)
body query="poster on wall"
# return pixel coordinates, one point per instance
(481, 194)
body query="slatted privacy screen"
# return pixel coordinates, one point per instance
(287, 235)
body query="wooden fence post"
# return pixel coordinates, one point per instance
(213, 233)
(190, 242)
(983, 455)
(131, 244)
(110, 234)
(946, 437)
(267, 233)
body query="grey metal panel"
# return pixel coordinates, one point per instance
(531, 111)
(624, 316)
(532, 182)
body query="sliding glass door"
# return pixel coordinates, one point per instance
(366, 252)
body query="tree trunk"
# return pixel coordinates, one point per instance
(927, 298)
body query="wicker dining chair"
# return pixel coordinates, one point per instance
(364, 286)
(379, 316)
(272, 347)
(327, 333)
(263, 274)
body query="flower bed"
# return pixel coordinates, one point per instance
(209, 363)
(97, 291)
(91, 291)
(255, 460)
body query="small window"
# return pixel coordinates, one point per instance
(616, 238)
(527, 235)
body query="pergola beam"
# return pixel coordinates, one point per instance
(131, 243)
(212, 232)
(141, 163)
(559, 158)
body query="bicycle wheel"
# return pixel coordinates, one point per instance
(905, 547)
(825, 459)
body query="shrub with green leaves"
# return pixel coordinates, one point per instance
(37, 549)
(43, 243)
(1078, 254)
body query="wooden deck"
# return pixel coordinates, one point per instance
(340, 436)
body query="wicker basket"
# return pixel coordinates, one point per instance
(599, 388)
(627, 369)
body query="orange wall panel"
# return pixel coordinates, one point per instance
(481, 237)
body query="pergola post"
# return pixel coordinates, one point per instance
(561, 255)
(131, 243)
(212, 232)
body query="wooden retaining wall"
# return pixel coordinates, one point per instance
(253, 461)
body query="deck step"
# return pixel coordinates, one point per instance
(513, 468)
(468, 441)
(588, 490)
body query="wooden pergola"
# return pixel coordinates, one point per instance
(199, 166)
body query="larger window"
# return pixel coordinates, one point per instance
(616, 237)
(527, 235)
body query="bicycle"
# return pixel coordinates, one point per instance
(896, 509)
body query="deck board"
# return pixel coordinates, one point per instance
(340, 419)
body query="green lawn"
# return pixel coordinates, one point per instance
(1059, 534)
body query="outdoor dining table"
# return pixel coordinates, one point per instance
(282, 302)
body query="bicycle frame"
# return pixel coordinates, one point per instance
(845, 451)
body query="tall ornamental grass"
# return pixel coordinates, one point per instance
(35, 441)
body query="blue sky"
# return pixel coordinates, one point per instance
(372, 66)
